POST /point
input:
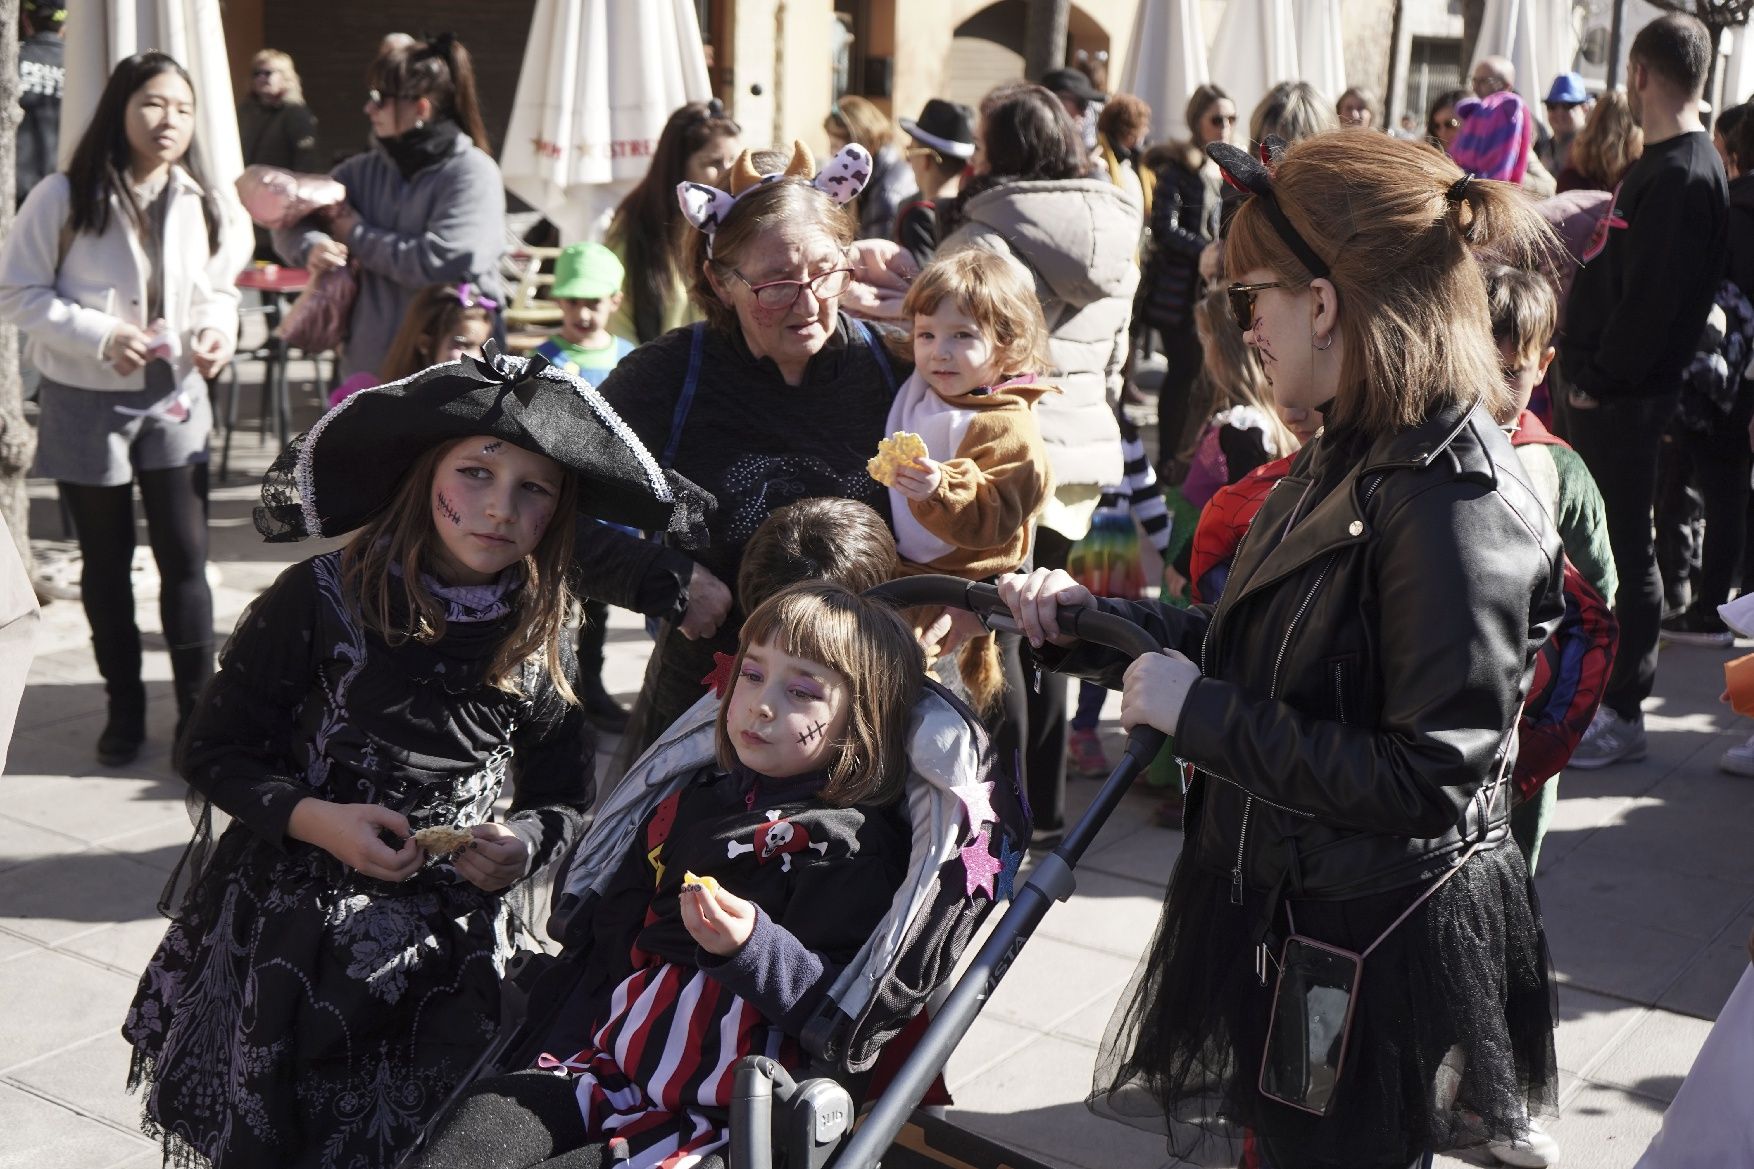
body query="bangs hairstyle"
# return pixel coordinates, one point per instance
(434, 312)
(1415, 333)
(100, 162)
(402, 535)
(440, 70)
(867, 643)
(997, 293)
(1525, 313)
(791, 203)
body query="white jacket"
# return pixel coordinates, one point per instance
(67, 306)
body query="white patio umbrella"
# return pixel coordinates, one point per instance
(1738, 69)
(600, 78)
(1166, 61)
(101, 34)
(1256, 48)
(1321, 53)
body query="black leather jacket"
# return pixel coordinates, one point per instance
(1365, 665)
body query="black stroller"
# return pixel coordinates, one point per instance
(777, 1119)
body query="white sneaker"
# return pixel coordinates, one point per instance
(1610, 739)
(1738, 760)
(1537, 1150)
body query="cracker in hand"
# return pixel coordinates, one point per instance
(710, 884)
(900, 449)
(442, 840)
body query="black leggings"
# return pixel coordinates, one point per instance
(527, 1120)
(176, 525)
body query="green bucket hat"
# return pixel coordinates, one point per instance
(586, 272)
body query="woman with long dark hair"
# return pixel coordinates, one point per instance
(1349, 962)
(648, 233)
(116, 273)
(425, 206)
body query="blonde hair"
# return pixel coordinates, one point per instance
(998, 294)
(1609, 142)
(1292, 110)
(1231, 374)
(867, 643)
(275, 59)
(1414, 328)
(387, 556)
(859, 121)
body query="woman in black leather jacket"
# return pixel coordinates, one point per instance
(1345, 711)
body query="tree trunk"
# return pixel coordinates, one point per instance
(18, 439)
(1044, 36)
(1473, 16)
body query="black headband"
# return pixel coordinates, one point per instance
(1250, 175)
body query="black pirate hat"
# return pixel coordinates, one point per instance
(338, 475)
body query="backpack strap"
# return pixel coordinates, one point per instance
(874, 343)
(685, 401)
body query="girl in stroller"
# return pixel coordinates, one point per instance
(800, 817)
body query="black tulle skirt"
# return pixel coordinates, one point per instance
(1452, 1036)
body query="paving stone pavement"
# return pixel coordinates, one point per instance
(1647, 887)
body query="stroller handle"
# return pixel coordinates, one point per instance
(953, 592)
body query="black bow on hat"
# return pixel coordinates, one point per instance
(347, 468)
(1251, 175)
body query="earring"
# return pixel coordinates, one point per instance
(1323, 348)
(420, 123)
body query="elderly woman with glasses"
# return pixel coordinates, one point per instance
(778, 395)
(425, 206)
(1349, 962)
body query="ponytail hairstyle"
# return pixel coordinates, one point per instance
(648, 227)
(1401, 228)
(440, 70)
(100, 162)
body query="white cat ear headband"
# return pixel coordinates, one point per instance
(841, 180)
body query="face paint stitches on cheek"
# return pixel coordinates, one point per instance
(449, 511)
(806, 737)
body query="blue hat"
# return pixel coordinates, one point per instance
(1567, 90)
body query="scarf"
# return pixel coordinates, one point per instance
(422, 146)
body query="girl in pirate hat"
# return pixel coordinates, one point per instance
(332, 970)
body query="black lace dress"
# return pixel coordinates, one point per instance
(298, 1012)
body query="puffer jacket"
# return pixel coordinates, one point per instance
(1079, 237)
(1364, 668)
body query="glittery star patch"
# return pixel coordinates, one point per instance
(977, 802)
(719, 680)
(979, 865)
(1010, 860)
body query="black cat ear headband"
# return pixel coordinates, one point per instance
(1250, 175)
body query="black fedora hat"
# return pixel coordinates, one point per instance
(945, 126)
(344, 470)
(1072, 83)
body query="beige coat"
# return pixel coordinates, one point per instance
(1079, 237)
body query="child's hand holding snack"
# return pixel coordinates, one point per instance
(718, 921)
(494, 860)
(920, 479)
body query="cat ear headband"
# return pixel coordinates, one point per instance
(841, 180)
(1250, 175)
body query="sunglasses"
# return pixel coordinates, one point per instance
(1242, 301)
(1448, 124)
(260, 73)
(376, 98)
